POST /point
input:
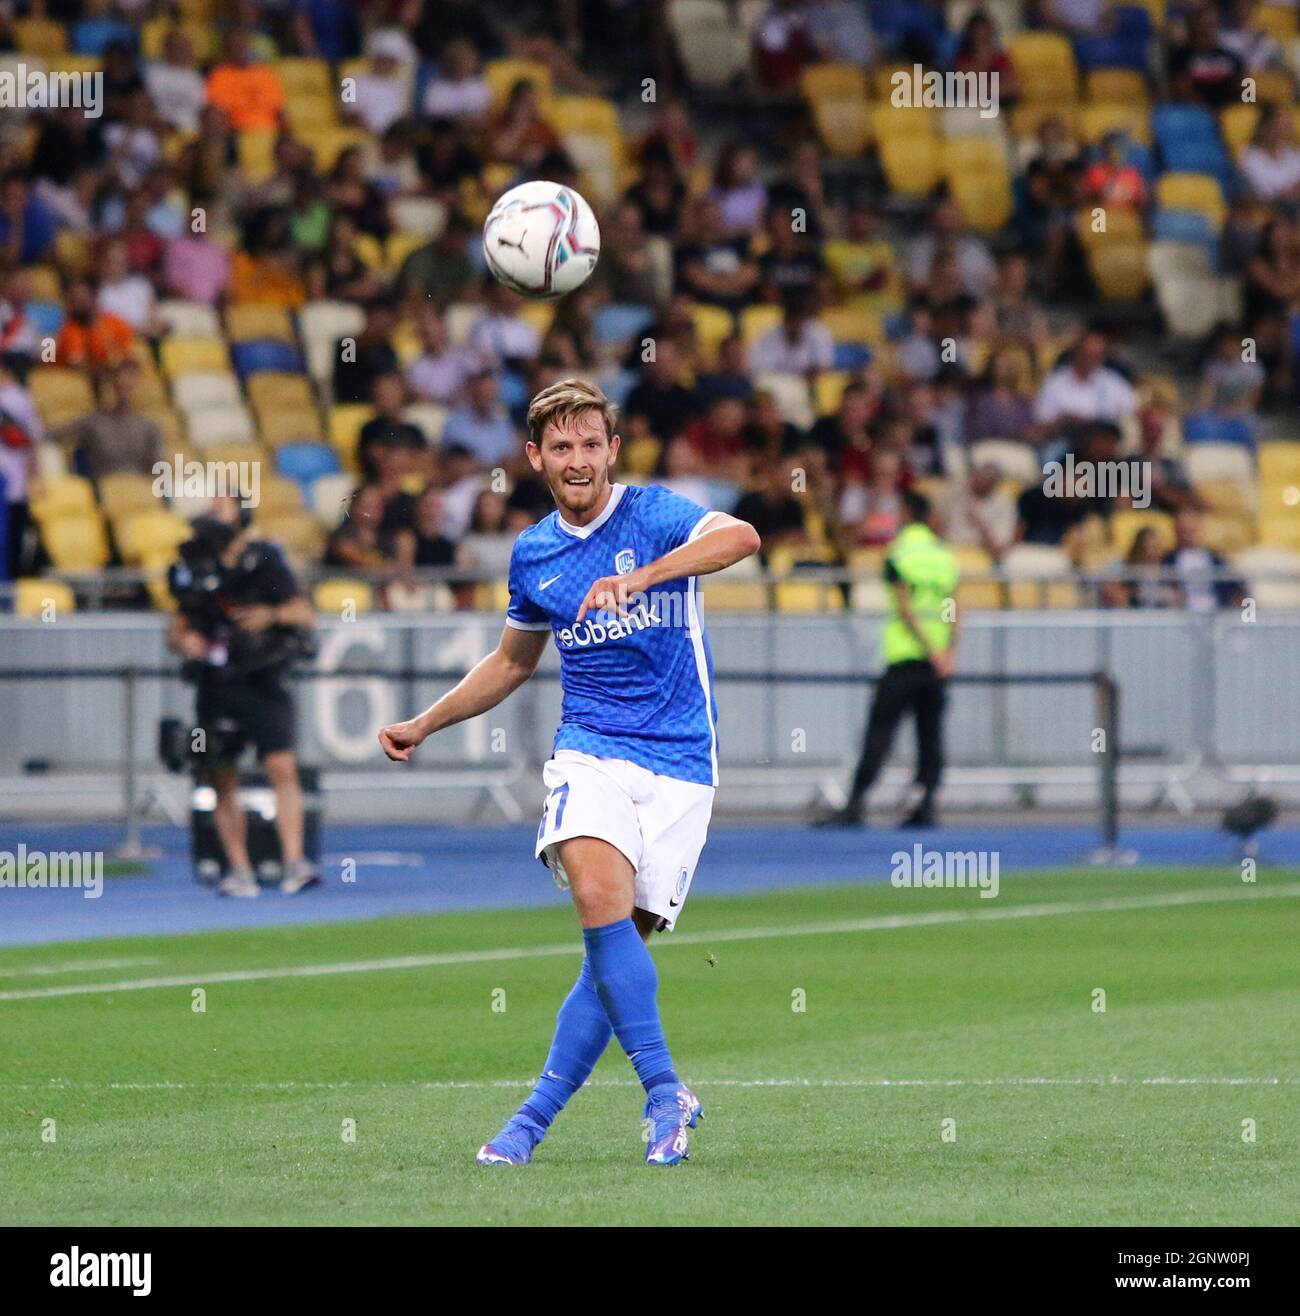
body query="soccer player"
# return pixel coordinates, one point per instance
(611, 574)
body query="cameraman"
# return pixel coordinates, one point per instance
(241, 623)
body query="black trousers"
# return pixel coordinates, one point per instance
(914, 687)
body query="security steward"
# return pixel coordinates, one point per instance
(919, 645)
(242, 623)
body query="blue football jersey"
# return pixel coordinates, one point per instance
(638, 687)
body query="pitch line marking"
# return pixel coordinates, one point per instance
(78, 966)
(439, 1085)
(883, 923)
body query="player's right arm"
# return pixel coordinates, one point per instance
(502, 672)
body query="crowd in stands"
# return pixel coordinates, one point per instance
(810, 298)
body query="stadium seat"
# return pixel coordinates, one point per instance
(984, 197)
(345, 422)
(831, 81)
(266, 354)
(828, 390)
(755, 321)
(338, 596)
(739, 588)
(1279, 463)
(323, 323)
(1133, 119)
(34, 597)
(60, 390)
(306, 462)
(271, 390)
(982, 594)
(844, 127)
(297, 531)
(428, 418)
(278, 496)
(1206, 462)
(421, 216)
(278, 426)
(204, 390)
(149, 532)
(253, 321)
(502, 75)
(228, 424)
(791, 394)
(304, 76)
(1039, 576)
(1278, 20)
(1126, 522)
(1119, 270)
(75, 541)
(902, 123)
(713, 46)
(1272, 573)
(1115, 86)
(1045, 67)
(1238, 124)
(40, 36)
(179, 356)
(1122, 227)
(1198, 193)
(124, 493)
(621, 321)
(1212, 427)
(330, 495)
(912, 165)
(189, 319)
(62, 496)
(1273, 87)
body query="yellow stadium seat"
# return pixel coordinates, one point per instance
(1227, 534)
(61, 496)
(256, 155)
(728, 592)
(399, 246)
(34, 597)
(828, 389)
(640, 456)
(311, 112)
(75, 541)
(43, 282)
(713, 326)
(912, 166)
(278, 496)
(1117, 86)
(1045, 68)
(1237, 123)
(844, 127)
(854, 324)
(1195, 192)
(278, 426)
(984, 198)
(1131, 118)
(62, 387)
(40, 36)
(1122, 226)
(895, 123)
(328, 143)
(122, 494)
(1279, 463)
(1273, 87)
(584, 114)
(502, 74)
(337, 596)
(276, 390)
(815, 596)
(298, 531)
(73, 63)
(154, 34)
(155, 531)
(1278, 21)
(345, 422)
(304, 76)
(182, 355)
(833, 81)
(1029, 116)
(973, 155)
(246, 321)
(1126, 522)
(1225, 497)
(755, 321)
(1119, 270)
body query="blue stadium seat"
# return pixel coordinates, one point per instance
(851, 356)
(306, 462)
(1210, 427)
(623, 320)
(899, 21)
(1183, 123)
(46, 317)
(93, 36)
(266, 354)
(1186, 226)
(1124, 48)
(618, 386)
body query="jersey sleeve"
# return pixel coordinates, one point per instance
(673, 520)
(522, 613)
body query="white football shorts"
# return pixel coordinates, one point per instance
(660, 823)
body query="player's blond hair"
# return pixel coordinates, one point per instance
(563, 401)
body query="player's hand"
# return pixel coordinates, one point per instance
(943, 663)
(193, 645)
(400, 739)
(611, 594)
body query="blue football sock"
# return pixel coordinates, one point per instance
(582, 1033)
(627, 983)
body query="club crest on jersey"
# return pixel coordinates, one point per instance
(682, 879)
(624, 561)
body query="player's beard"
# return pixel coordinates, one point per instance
(579, 498)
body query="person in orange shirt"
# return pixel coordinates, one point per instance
(90, 337)
(267, 269)
(250, 94)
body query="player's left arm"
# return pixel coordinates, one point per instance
(721, 542)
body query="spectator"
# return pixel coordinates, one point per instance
(387, 430)
(266, 270)
(459, 92)
(1110, 181)
(740, 194)
(21, 432)
(27, 225)
(175, 84)
(685, 472)
(660, 194)
(338, 273)
(1201, 67)
(998, 409)
(719, 441)
(19, 341)
(1272, 286)
(773, 510)
(359, 362)
(872, 511)
(196, 268)
(1230, 384)
(441, 271)
(732, 377)
(443, 368)
(361, 542)
(115, 439)
(979, 515)
(383, 96)
(129, 297)
(784, 45)
(1137, 581)
(249, 94)
(501, 334)
(90, 338)
(979, 51)
(520, 134)
(658, 405)
(947, 234)
(482, 427)
(799, 345)
(1084, 389)
(712, 266)
(1200, 573)
(432, 546)
(791, 265)
(1271, 163)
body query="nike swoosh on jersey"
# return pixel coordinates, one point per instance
(547, 583)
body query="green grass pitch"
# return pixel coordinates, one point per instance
(944, 1070)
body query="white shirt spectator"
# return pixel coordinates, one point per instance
(176, 92)
(442, 378)
(499, 338)
(975, 263)
(1103, 395)
(776, 353)
(465, 98)
(1270, 175)
(131, 298)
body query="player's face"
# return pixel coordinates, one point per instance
(576, 456)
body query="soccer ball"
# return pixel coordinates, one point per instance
(541, 239)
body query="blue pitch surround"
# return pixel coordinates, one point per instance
(426, 870)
